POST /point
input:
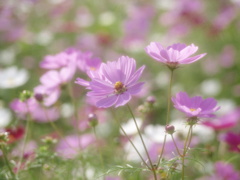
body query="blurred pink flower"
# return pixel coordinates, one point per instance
(233, 140)
(37, 112)
(115, 82)
(195, 106)
(173, 55)
(228, 120)
(227, 56)
(72, 145)
(223, 171)
(137, 25)
(51, 83)
(67, 58)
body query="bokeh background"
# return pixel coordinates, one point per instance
(32, 29)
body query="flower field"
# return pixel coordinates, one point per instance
(119, 90)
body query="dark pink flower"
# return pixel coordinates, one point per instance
(195, 106)
(173, 55)
(114, 83)
(227, 121)
(233, 140)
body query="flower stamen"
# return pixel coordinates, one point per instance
(119, 87)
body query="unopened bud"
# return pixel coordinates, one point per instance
(92, 120)
(170, 129)
(151, 99)
(49, 140)
(192, 121)
(38, 97)
(25, 95)
(3, 137)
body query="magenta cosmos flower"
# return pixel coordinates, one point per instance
(114, 82)
(233, 140)
(173, 55)
(195, 106)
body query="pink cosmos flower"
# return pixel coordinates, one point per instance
(115, 82)
(87, 62)
(51, 83)
(70, 146)
(38, 113)
(195, 106)
(60, 60)
(233, 140)
(173, 55)
(228, 120)
(223, 171)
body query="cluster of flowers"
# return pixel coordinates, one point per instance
(113, 84)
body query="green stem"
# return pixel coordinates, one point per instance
(169, 97)
(99, 150)
(25, 137)
(176, 146)
(168, 113)
(186, 144)
(135, 122)
(4, 153)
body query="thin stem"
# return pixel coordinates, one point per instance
(100, 152)
(186, 144)
(4, 153)
(124, 132)
(164, 142)
(176, 146)
(169, 97)
(135, 122)
(168, 113)
(25, 137)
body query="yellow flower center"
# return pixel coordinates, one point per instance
(92, 68)
(191, 109)
(119, 87)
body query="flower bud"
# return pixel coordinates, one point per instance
(49, 140)
(38, 97)
(92, 120)
(25, 95)
(192, 121)
(170, 129)
(151, 99)
(3, 137)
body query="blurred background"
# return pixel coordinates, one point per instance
(32, 29)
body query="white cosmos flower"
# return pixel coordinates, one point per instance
(130, 128)
(5, 115)
(12, 77)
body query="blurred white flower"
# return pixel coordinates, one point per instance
(67, 110)
(107, 18)
(44, 37)
(131, 154)
(226, 105)
(130, 128)
(211, 87)
(12, 77)
(155, 133)
(7, 56)
(6, 116)
(203, 133)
